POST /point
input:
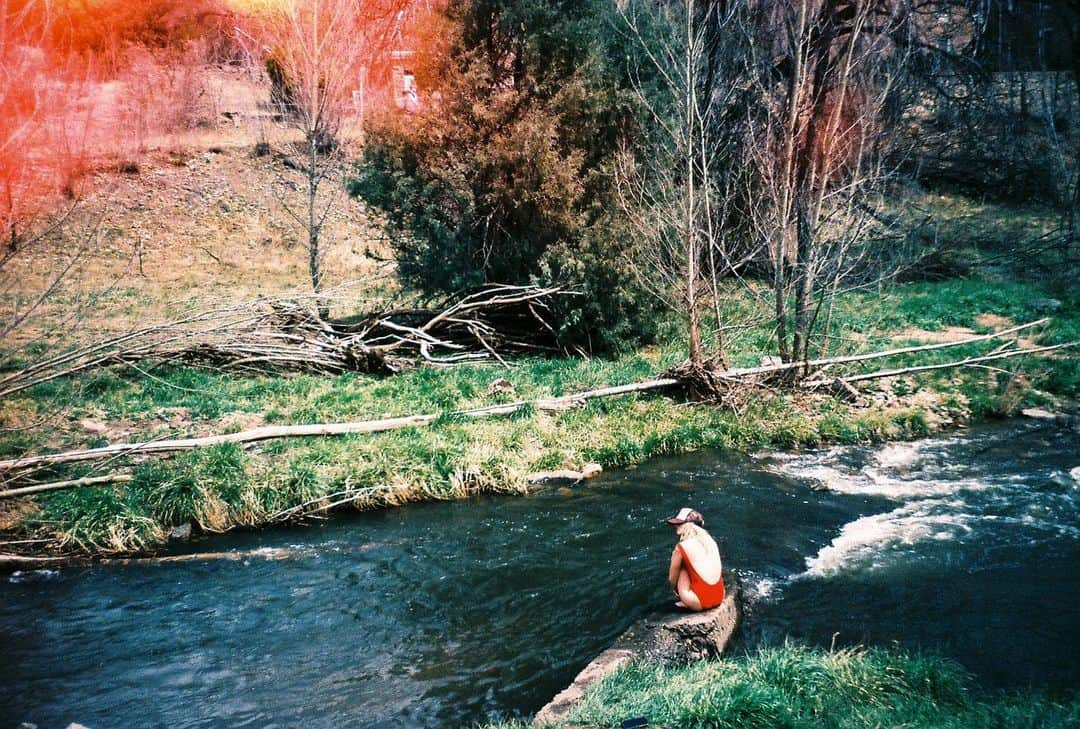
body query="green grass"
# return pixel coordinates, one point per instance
(221, 487)
(225, 487)
(795, 687)
(98, 520)
(956, 302)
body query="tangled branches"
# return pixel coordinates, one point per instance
(285, 335)
(732, 387)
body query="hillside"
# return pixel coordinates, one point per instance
(186, 217)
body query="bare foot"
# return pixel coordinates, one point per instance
(680, 604)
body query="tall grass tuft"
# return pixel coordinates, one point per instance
(803, 688)
(208, 487)
(100, 520)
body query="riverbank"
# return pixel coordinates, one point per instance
(224, 487)
(387, 617)
(794, 686)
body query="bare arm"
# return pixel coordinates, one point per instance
(674, 568)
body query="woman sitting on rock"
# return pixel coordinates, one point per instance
(695, 571)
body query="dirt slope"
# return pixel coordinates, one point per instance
(194, 214)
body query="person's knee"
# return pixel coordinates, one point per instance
(686, 595)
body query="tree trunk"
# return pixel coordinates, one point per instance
(1073, 214)
(692, 252)
(695, 336)
(268, 432)
(315, 269)
(780, 302)
(810, 177)
(716, 303)
(692, 293)
(804, 281)
(314, 226)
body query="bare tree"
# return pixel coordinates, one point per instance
(313, 53)
(675, 192)
(26, 91)
(821, 72)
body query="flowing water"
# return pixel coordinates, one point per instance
(449, 614)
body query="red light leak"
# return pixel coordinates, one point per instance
(82, 81)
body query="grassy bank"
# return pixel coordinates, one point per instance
(226, 486)
(794, 687)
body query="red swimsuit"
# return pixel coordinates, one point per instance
(709, 595)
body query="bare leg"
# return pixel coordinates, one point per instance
(687, 598)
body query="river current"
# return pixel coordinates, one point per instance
(454, 613)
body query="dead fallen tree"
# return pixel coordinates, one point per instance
(286, 335)
(70, 484)
(723, 385)
(713, 384)
(966, 362)
(565, 402)
(491, 323)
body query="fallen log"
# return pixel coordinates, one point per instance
(589, 470)
(267, 553)
(720, 385)
(743, 376)
(941, 366)
(58, 485)
(785, 367)
(294, 431)
(133, 344)
(287, 335)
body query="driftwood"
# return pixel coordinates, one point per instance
(293, 431)
(267, 553)
(717, 383)
(10, 562)
(589, 470)
(706, 382)
(58, 485)
(879, 374)
(328, 502)
(786, 370)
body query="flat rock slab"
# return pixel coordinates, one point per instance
(672, 638)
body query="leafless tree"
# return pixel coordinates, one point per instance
(821, 73)
(43, 132)
(672, 183)
(313, 53)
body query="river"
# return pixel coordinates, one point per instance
(452, 613)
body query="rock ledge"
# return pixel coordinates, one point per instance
(668, 639)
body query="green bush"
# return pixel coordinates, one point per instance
(507, 180)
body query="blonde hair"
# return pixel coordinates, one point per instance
(698, 534)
